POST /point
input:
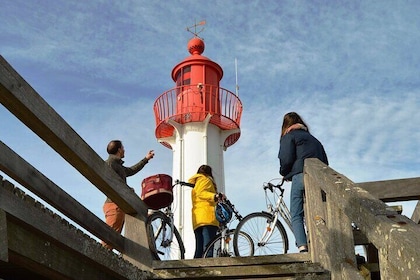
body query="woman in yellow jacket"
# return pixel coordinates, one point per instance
(204, 198)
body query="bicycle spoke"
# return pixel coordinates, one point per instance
(167, 245)
(223, 246)
(245, 245)
(256, 225)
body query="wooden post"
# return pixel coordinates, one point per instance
(4, 256)
(331, 239)
(316, 222)
(395, 236)
(136, 244)
(416, 213)
(342, 235)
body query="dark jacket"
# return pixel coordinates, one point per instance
(295, 147)
(117, 165)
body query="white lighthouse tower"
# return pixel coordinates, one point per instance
(198, 120)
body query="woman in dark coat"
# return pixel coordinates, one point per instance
(297, 144)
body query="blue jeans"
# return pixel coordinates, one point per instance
(296, 209)
(203, 235)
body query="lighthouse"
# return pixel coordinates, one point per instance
(198, 120)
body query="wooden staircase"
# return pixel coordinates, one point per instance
(288, 266)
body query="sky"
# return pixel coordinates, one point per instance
(351, 69)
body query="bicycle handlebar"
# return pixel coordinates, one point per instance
(271, 186)
(181, 183)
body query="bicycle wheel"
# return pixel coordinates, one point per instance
(245, 245)
(215, 249)
(256, 225)
(162, 243)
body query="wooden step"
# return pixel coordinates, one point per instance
(288, 266)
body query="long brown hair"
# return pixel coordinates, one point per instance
(291, 119)
(206, 170)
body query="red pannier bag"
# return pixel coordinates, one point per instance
(156, 191)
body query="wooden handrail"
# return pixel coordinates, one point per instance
(332, 203)
(30, 108)
(390, 190)
(29, 177)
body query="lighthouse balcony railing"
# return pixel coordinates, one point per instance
(192, 103)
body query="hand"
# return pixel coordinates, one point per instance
(150, 154)
(219, 197)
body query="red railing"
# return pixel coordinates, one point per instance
(192, 103)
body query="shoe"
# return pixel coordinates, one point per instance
(303, 249)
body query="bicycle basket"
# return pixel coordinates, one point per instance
(156, 191)
(223, 212)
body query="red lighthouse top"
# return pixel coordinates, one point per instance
(196, 69)
(197, 96)
(195, 46)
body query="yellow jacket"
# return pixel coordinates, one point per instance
(203, 203)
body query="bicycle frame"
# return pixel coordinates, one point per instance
(168, 239)
(161, 229)
(225, 230)
(224, 246)
(279, 209)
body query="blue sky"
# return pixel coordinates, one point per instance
(350, 68)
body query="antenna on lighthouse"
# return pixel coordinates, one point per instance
(236, 77)
(195, 32)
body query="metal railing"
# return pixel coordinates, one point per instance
(192, 103)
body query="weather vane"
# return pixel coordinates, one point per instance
(195, 32)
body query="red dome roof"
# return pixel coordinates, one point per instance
(195, 46)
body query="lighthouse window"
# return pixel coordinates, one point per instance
(183, 77)
(178, 79)
(186, 75)
(187, 69)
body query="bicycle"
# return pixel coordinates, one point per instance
(165, 242)
(268, 234)
(222, 246)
